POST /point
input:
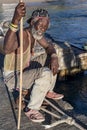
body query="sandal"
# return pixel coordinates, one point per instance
(35, 115)
(53, 95)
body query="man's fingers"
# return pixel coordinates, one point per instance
(54, 70)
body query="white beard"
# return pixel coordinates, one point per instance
(35, 34)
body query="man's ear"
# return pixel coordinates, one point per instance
(32, 22)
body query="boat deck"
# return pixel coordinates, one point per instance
(9, 114)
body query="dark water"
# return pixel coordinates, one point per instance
(75, 92)
(68, 23)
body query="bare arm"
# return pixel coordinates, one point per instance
(11, 41)
(47, 46)
(50, 50)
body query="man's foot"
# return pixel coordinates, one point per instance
(34, 115)
(25, 93)
(53, 95)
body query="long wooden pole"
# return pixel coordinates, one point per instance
(21, 66)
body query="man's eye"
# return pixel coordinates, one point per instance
(40, 23)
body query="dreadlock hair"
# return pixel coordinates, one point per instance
(38, 13)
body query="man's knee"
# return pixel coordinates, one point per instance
(46, 71)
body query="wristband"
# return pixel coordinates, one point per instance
(13, 27)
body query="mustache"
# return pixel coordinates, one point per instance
(37, 34)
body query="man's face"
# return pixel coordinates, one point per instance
(39, 27)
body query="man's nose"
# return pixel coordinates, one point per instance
(43, 29)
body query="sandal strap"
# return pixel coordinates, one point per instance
(34, 114)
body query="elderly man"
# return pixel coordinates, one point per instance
(43, 78)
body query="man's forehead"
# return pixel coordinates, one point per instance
(43, 19)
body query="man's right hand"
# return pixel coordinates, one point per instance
(20, 12)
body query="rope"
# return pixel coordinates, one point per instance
(69, 120)
(56, 116)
